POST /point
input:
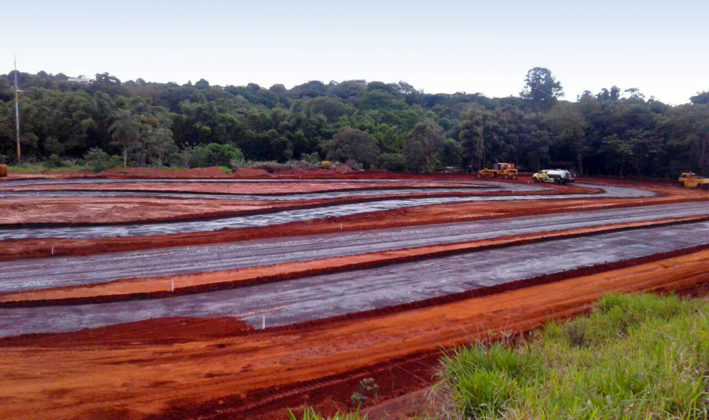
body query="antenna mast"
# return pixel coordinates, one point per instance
(17, 117)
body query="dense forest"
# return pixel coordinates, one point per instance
(390, 126)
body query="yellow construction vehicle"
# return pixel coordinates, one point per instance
(557, 176)
(502, 170)
(3, 170)
(540, 176)
(691, 180)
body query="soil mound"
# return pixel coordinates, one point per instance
(212, 172)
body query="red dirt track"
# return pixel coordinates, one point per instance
(27, 248)
(221, 367)
(192, 283)
(110, 210)
(120, 374)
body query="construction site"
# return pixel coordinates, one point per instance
(146, 293)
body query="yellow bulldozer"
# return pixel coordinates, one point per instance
(692, 180)
(501, 169)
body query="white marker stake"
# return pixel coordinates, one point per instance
(172, 289)
(263, 322)
(52, 249)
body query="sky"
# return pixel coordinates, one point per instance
(444, 46)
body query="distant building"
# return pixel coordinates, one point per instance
(81, 79)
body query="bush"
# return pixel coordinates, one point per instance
(394, 162)
(97, 160)
(215, 154)
(54, 161)
(312, 158)
(356, 145)
(452, 153)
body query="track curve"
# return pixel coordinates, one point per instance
(299, 215)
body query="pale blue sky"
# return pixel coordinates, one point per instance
(660, 47)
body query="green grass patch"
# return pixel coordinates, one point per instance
(311, 414)
(36, 169)
(642, 356)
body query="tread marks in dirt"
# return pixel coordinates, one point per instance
(330, 295)
(289, 216)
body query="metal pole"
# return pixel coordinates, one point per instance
(17, 117)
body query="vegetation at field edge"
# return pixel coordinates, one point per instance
(634, 357)
(642, 356)
(108, 123)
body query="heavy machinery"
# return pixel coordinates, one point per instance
(3, 170)
(502, 170)
(557, 176)
(692, 180)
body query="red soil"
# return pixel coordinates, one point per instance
(401, 217)
(215, 172)
(111, 210)
(154, 287)
(212, 172)
(221, 368)
(239, 187)
(258, 374)
(94, 210)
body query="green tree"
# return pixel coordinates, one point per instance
(423, 147)
(485, 137)
(618, 152)
(159, 142)
(471, 134)
(452, 153)
(214, 154)
(686, 128)
(538, 151)
(353, 144)
(540, 89)
(569, 125)
(600, 132)
(701, 98)
(125, 131)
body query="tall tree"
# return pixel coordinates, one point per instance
(701, 98)
(125, 131)
(353, 144)
(472, 137)
(569, 125)
(423, 146)
(687, 129)
(159, 142)
(540, 89)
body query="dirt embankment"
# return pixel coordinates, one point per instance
(119, 372)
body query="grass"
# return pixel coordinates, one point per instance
(640, 356)
(310, 414)
(37, 168)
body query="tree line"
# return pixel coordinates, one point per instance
(390, 126)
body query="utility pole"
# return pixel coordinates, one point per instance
(17, 117)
